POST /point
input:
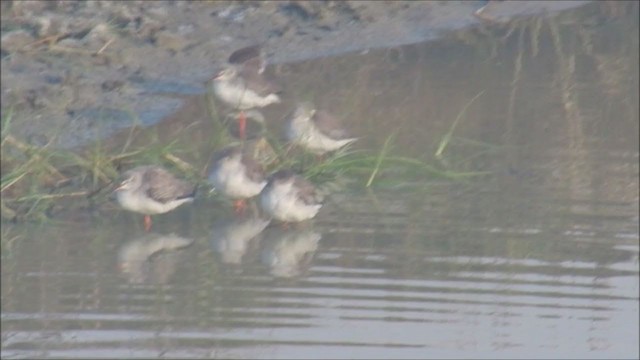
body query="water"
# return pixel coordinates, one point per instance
(539, 259)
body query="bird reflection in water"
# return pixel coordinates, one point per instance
(288, 253)
(152, 258)
(231, 237)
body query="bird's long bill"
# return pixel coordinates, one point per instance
(217, 76)
(120, 187)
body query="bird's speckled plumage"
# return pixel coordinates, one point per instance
(242, 85)
(316, 130)
(289, 197)
(236, 174)
(153, 190)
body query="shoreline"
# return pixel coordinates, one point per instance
(76, 71)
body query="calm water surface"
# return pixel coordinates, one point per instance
(538, 259)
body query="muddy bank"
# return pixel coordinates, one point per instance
(76, 70)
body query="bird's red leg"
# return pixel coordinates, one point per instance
(242, 125)
(239, 206)
(147, 223)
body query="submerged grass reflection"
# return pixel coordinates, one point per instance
(447, 137)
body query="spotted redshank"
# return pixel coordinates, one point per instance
(242, 85)
(316, 130)
(289, 197)
(152, 190)
(236, 174)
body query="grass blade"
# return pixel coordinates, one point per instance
(381, 156)
(447, 137)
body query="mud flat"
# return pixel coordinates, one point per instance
(76, 70)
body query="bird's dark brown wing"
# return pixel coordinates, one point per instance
(224, 153)
(255, 64)
(162, 186)
(251, 56)
(306, 190)
(254, 169)
(257, 82)
(329, 125)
